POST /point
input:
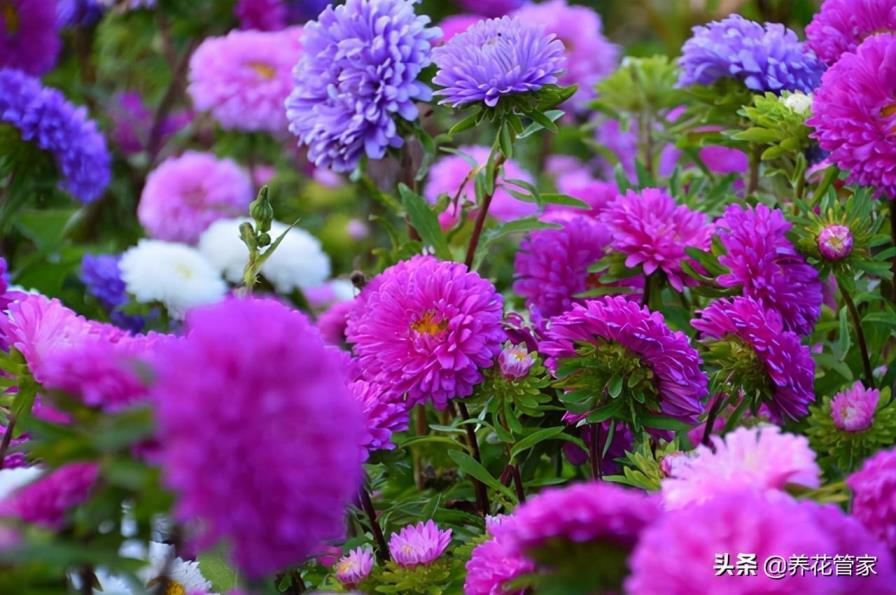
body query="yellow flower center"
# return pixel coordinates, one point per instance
(172, 588)
(183, 270)
(428, 324)
(265, 71)
(10, 18)
(344, 566)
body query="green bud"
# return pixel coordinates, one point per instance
(247, 234)
(264, 239)
(261, 210)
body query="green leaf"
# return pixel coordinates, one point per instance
(517, 226)
(465, 124)
(533, 439)
(555, 198)
(216, 570)
(664, 423)
(424, 221)
(473, 468)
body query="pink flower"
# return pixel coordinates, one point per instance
(515, 361)
(853, 409)
(46, 501)
(419, 544)
(835, 242)
(841, 25)
(493, 564)
(384, 412)
(355, 566)
(456, 24)
(873, 487)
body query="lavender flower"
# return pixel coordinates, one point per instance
(355, 566)
(419, 544)
(101, 275)
(853, 409)
(515, 361)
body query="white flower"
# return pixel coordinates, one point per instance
(13, 479)
(176, 275)
(798, 102)
(221, 245)
(181, 572)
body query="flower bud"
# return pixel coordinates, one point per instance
(853, 409)
(247, 234)
(261, 210)
(835, 242)
(515, 361)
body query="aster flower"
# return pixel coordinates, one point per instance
(46, 501)
(515, 361)
(355, 566)
(384, 414)
(332, 322)
(766, 57)
(835, 242)
(840, 26)
(247, 489)
(29, 35)
(176, 275)
(102, 277)
(551, 266)
(79, 13)
(630, 352)
(186, 194)
(853, 114)
(132, 123)
(761, 458)
(767, 266)
(756, 354)
(261, 15)
(873, 487)
(653, 232)
(573, 178)
(44, 117)
(853, 409)
(456, 24)
(427, 328)
(589, 55)
(473, 66)
(418, 544)
(357, 73)
(244, 77)
(491, 8)
(493, 564)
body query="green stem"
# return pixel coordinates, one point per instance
(7, 438)
(860, 334)
(473, 443)
(483, 213)
(734, 418)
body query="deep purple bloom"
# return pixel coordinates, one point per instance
(46, 502)
(101, 275)
(278, 485)
(840, 26)
(427, 328)
(29, 35)
(853, 409)
(419, 544)
(787, 362)
(873, 487)
(43, 116)
(261, 15)
(357, 73)
(766, 57)
(496, 58)
(384, 414)
(767, 265)
(491, 8)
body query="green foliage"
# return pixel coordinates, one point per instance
(774, 125)
(640, 85)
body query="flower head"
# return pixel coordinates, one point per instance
(358, 71)
(840, 26)
(332, 322)
(515, 361)
(355, 566)
(29, 35)
(493, 563)
(496, 58)
(653, 232)
(873, 488)
(491, 8)
(427, 328)
(574, 179)
(767, 265)
(44, 117)
(853, 409)
(457, 24)
(261, 15)
(419, 544)
(186, 194)
(244, 77)
(102, 277)
(766, 57)
(46, 502)
(384, 413)
(835, 242)
(287, 401)
(853, 114)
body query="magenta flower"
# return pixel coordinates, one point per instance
(46, 502)
(873, 487)
(133, 122)
(768, 267)
(491, 8)
(186, 194)
(418, 544)
(427, 328)
(515, 361)
(835, 242)
(457, 24)
(29, 35)
(261, 15)
(840, 26)
(355, 566)
(384, 412)
(332, 322)
(853, 409)
(493, 564)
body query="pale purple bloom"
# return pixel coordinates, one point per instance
(853, 409)
(835, 242)
(457, 24)
(873, 504)
(355, 566)
(419, 544)
(515, 361)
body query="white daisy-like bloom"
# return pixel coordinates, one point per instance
(15, 478)
(185, 576)
(110, 584)
(799, 102)
(221, 245)
(174, 274)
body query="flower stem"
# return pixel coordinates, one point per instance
(753, 182)
(517, 482)
(860, 334)
(473, 443)
(382, 550)
(483, 213)
(892, 204)
(7, 438)
(595, 454)
(711, 417)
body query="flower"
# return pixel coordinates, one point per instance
(496, 58)
(332, 322)
(383, 412)
(787, 370)
(176, 275)
(491, 8)
(840, 26)
(161, 559)
(551, 266)
(358, 71)
(261, 15)
(457, 24)
(427, 328)
(835, 242)
(287, 402)
(133, 122)
(853, 409)
(46, 501)
(760, 458)
(873, 487)
(418, 544)
(355, 566)
(798, 102)
(574, 179)
(79, 13)
(768, 267)
(102, 277)
(766, 57)
(589, 55)
(244, 77)
(29, 35)
(43, 116)
(853, 114)
(515, 361)
(633, 340)
(652, 231)
(12, 479)
(186, 194)
(493, 564)
(452, 176)
(17, 455)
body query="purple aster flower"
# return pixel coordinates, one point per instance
(854, 114)
(495, 58)
(767, 265)
(132, 122)
(677, 381)
(261, 15)
(873, 487)
(355, 566)
(244, 77)
(427, 328)
(384, 412)
(44, 117)
(419, 544)
(766, 57)
(840, 26)
(300, 11)
(358, 71)
(457, 24)
(853, 409)
(46, 502)
(787, 363)
(29, 35)
(186, 194)
(279, 484)
(101, 275)
(515, 361)
(835, 242)
(79, 13)
(589, 55)
(331, 323)
(491, 8)
(552, 264)
(494, 564)
(653, 232)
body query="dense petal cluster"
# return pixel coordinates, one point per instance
(419, 544)
(427, 328)
(47, 501)
(835, 242)
(29, 35)
(102, 277)
(383, 412)
(494, 563)
(355, 566)
(873, 487)
(44, 117)
(853, 409)
(286, 402)
(854, 117)
(766, 57)
(840, 26)
(359, 71)
(261, 15)
(496, 58)
(767, 265)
